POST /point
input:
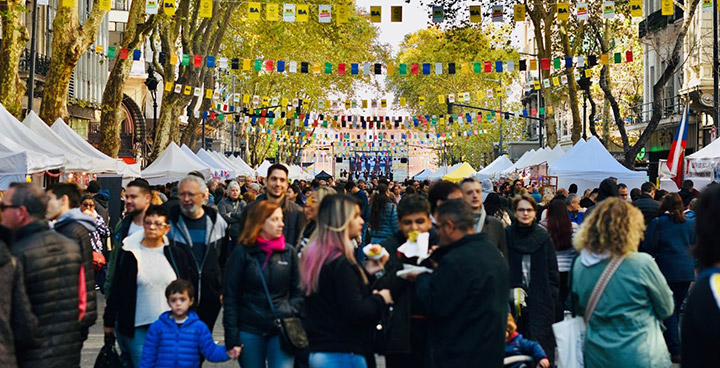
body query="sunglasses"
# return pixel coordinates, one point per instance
(4, 206)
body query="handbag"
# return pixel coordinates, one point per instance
(108, 356)
(292, 334)
(570, 333)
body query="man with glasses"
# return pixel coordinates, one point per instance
(52, 266)
(202, 233)
(137, 201)
(63, 202)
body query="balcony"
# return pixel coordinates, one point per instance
(656, 21)
(42, 63)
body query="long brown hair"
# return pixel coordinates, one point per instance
(255, 220)
(559, 225)
(673, 204)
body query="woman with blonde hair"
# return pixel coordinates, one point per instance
(625, 328)
(340, 307)
(312, 206)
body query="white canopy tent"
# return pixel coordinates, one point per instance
(423, 174)
(223, 169)
(239, 169)
(519, 164)
(712, 150)
(87, 150)
(263, 168)
(243, 165)
(500, 164)
(442, 171)
(590, 164)
(14, 131)
(555, 154)
(172, 165)
(13, 168)
(192, 155)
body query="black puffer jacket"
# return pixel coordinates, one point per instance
(17, 323)
(77, 226)
(231, 210)
(51, 263)
(246, 304)
(648, 206)
(535, 243)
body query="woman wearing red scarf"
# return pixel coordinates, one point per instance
(248, 319)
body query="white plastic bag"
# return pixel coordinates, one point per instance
(570, 339)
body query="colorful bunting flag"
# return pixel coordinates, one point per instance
(375, 14)
(272, 11)
(519, 12)
(206, 8)
(563, 13)
(475, 13)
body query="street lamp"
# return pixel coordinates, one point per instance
(151, 82)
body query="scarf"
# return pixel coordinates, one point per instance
(480, 219)
(271, 246)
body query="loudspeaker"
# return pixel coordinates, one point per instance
(338, 160)
(403, 160)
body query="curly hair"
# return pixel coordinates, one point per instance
(615, 226)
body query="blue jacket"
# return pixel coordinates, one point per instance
(670, 244)
(578, 219)
(519, 345)
(388, 224)
(170, 345)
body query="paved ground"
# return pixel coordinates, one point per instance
(96, 339)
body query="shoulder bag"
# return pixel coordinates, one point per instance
(570, 333)
(292, 334)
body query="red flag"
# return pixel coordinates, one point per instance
(198, 61)
(488, 67)
(628, 56)
(269, 65)
(123, 53)
(677, 150)
(341, 68)
(545, 63)
(414, 68)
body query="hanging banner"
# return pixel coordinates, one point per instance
(104, 4)
(582, 11)
(563, 12)
(303, 13)
(497, 13)
(438, 14)
(519, 12)
(206, 8)
(636, 9)
(342, 13)
(68, 3)
(707, 6)
(475, 13)
(271, 12)
(151, 7)
(396, 14)
(169, 7)
(376, 14)
(608, 9)
(667, 7)
(324, 14)
(254, 11)
(288, 13)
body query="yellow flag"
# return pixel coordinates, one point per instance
(169, 7)
(519, 12)
(168, 86)
(475, 13)
(99, 49)
(636, 8)
(441, 99)
(396, 14)
(254, 11)
(364, 104)
(604, 59)
(479, 95)
(246, 65)
(105, 5)
(342, 14)
(376, 14)
(588, 73)
(499, 92)
(208, 93)
(667, 7)
(556, 81)
(403, 101)
(68, 3)
(317, 68)
(533, 64)
(187, 90)
(421, 100)
(271, 12)
(246, 99)
(536, 84)
(465, 68)
(284, 101)
(302, 12)
(390, 69)
(563, 11)
(383, 103)
(265, 100)
(549, 110)
(206, 8)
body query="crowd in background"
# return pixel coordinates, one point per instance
(506, 261)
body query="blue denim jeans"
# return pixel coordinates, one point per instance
(131, 347)
(337, 360)
(259, 349)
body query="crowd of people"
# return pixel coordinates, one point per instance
(318, 273)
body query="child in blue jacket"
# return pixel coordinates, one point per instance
(178, 337)
(516, 344)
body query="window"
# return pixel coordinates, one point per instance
(79, 126)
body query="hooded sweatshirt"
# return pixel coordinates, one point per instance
(608, 188)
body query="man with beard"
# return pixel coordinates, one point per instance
(202, 233)
(137, 201)
(276, 186)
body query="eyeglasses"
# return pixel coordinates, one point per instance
(4, 206)
(88, 205)
(156, 224)
(521, 210)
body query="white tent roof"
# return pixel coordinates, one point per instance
(519, 164)
(172, 165)
(423, 174)
(590, 164)
(442, 171)
(555, 154)
(13, 130)
(239, 169)
(243, 165)
(213, 163)
(263, 168)
(13, 168)
(570, 152)
(88, 151)
(500, 164)
(192, 155)
(712, 150)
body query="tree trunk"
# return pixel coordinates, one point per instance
(572, 87)
(135, 34)
(70, 41)
(605, 86)
(167, 128)
(14, 36)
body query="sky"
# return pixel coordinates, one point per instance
(415, 18)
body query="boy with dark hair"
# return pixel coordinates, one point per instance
(442, 191)
(407, 329)
(179, 337)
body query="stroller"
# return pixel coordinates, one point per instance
(518, 361)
